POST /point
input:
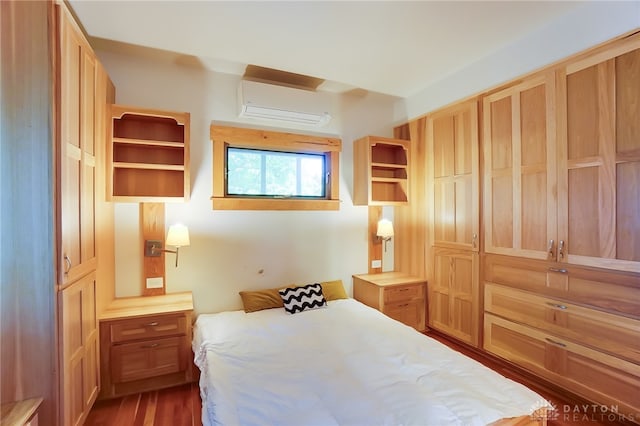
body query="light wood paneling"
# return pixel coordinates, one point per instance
(105, 239)
(27, 264)
(410, 221)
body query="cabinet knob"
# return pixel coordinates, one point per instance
(67, 261)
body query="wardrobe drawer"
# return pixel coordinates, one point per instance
(614, 334)
(597, 376)
(403, 293)
(614, 292)
(148, 328)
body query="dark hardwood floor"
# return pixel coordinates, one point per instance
(181, 405)
(176, 406)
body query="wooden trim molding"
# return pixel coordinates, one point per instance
(223, 137)
(152, 225)
(375, 246)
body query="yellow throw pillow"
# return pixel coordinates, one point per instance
(261, 299)
(333, 290)
(257, 300)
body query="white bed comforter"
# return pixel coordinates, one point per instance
(346, 364)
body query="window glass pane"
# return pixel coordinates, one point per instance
(312, 182)
(244, 172)
(280, 174)
(273, 173)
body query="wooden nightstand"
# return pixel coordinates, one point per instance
(145, 344)
(397, 295)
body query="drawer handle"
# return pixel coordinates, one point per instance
(404, 289)
(152, 324)
(404, 305)
(153, 345)
(555, 343)
(556, 305)
(558, 270)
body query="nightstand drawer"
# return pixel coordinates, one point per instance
(148, 328)
(135, 361)
(410, 312)
(403, 293)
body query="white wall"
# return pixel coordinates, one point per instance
(592, 23)
(235, 250)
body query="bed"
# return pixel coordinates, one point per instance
(344, 364)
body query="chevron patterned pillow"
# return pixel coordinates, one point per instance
(304, 298)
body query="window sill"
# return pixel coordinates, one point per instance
(272, 204)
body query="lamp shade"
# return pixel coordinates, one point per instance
(178, 235)
(385, 228)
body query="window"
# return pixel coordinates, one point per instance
(253, 172)
(263, 170)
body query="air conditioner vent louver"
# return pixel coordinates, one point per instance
(283, 104)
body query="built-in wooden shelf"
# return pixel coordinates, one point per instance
(380, 171)
(149, 155)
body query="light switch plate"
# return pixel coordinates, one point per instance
(154, 282)
(376, 263)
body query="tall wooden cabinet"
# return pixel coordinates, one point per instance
(599, 166)
(453, 204)
(77, 151)
(561, 163)
(561, 201)
(519, 141)
(82, 97)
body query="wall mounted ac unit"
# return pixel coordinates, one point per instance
(283, 104)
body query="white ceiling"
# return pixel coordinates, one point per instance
(391, 47)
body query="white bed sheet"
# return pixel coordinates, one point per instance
(346, 364)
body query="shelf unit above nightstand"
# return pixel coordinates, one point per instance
(149, 155)
(380, 170)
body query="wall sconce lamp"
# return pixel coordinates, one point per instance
(385, 231)
(178, 236)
